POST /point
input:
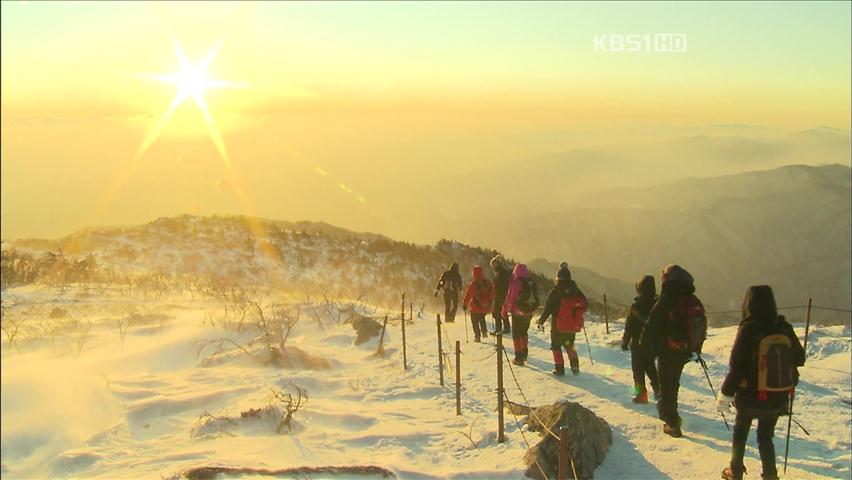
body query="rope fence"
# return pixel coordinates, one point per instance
(725, 312)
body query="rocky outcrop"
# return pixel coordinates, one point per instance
(366, 328)
(589, 438)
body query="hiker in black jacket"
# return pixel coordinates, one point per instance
(451, 283)
(502, 277)
(567, 289)
(741, 385)
(641, 360)
(675, 284)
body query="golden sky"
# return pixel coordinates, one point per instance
(340, 108)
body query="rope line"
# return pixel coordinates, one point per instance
(483, 358)
(534, 416)
(795, 307)
(520, 429)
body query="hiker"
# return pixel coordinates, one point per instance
(563, 265)
(760, 393)
(502, 277)
(669, 338)
(641, 360)
(478, 296)
(565, 305)
(451, 283)
(521, 302)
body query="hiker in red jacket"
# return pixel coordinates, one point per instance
(521, 302)
(478, 297)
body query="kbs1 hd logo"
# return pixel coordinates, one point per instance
(635, 42)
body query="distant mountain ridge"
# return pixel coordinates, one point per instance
(702, 192)
(789, 227)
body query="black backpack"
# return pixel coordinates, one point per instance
(687, 325)
(772, 374)
(528, 297)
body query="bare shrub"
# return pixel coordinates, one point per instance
(208, 426)
(83, 336)
(290, 403)
(469, 434)
(10, 328)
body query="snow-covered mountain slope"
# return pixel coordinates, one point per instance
(302, 256)
(80, 399)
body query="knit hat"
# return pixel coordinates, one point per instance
(563, 274)
(675, 273)
(563, 265)
(497, 260)
(645, 286)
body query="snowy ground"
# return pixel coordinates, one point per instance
(131, 409)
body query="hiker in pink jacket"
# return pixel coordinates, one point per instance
(521, 302)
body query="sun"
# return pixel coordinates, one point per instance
(191, 81)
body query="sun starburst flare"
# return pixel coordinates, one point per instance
(192, 81)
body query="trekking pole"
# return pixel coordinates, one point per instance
(466, 334)
(704, 367)
(792, 392)
(588, 345)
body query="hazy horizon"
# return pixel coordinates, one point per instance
(363, 115)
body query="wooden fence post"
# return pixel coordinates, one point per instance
(440, 352)
(458, 377)
(404, 353)
(606, 315)
(563, 453)
(501, 436)
(381, 348)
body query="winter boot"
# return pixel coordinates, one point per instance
(525, 347)
(672, 430)
(476, 339)
(730, 473)
(769, 476)
(558, 362)
(519, 352)
(641, 397)
(574, 360)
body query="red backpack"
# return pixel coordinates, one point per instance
(687, 325)
(572, 308)
(483, 294)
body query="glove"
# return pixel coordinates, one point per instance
(464, 307)
(623, 346)
(723, 403)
